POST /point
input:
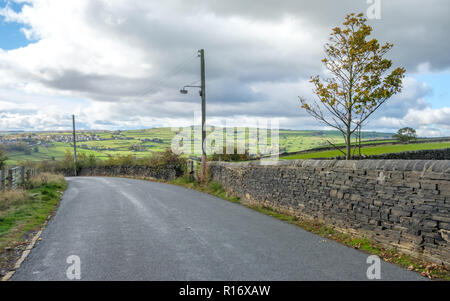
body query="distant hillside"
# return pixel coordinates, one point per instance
(38, 146)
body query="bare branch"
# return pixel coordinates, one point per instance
(336, 147)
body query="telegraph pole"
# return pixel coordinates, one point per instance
(201, 54)
(74, 145)
(203, 94)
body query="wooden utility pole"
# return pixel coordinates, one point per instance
(201, 54)
(203, 94)
(74, 146)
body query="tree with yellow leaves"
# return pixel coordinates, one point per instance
(359, 84)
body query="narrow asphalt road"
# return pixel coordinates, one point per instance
(124, 229)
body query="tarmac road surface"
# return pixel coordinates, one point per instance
(124, 229)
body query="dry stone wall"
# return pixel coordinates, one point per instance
(398, 203)
(429, 154)
(163, 173)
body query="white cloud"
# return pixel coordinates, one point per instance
(96, 58)
(429, 116)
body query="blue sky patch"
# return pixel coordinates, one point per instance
(439, 83)
(11, 36)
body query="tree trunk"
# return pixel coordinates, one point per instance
(348, 143)
(359, 141)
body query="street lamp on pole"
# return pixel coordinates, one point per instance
(184, 91)
(202, 92)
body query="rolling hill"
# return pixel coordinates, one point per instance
(143, 142)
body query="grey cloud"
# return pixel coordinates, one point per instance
(105, 122)
(106, 86)
(413, 96)
(410, 25)
(417, 28)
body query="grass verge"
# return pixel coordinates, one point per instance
(212, 188)
(426, 269)
(23, 213)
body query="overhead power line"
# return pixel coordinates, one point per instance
(174, 71)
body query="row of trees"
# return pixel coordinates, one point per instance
(406, 134)
(19, 147)
(157, 159)
(359, 82)
(3, 159)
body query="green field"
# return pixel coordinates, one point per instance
(373, 150)
(119, 143)
(292, 141)
(115, 143)
(56, 150)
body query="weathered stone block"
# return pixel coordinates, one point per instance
(399, 212)
(430, 224)
(445, 234)
(441, 218)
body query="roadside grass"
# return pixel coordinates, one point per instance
(212, 188)
(12, 197)
(373, 150)
(25, 211)
(426, 269)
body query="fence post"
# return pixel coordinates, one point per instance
(9, 179)
(192, 170)
(28, 174)
(14, 178)
(22, 175)
(2, 179)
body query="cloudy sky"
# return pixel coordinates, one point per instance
(120, 64)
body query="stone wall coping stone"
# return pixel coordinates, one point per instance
(441, 166)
